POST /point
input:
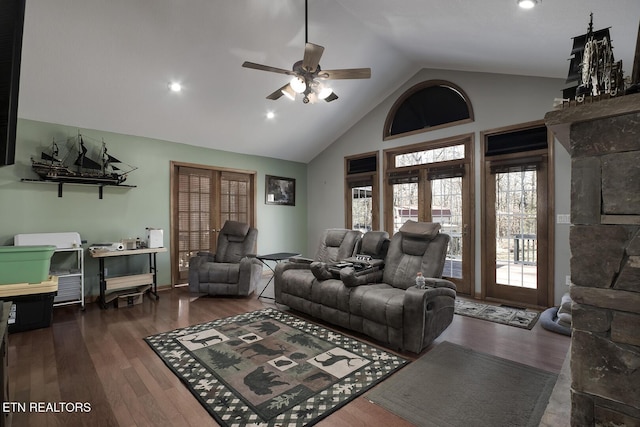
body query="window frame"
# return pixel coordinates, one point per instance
(467, 285)
(546, 250)
(373, 176)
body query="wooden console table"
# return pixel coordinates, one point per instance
(129, 281)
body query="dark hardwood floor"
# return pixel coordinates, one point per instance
(99, 357)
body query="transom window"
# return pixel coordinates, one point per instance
(429, 105)
(454, 152)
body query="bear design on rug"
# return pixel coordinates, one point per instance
(261, 382)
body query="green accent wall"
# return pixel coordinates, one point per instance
(126, 212)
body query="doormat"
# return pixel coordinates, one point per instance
(270, 368)
(455, 386)
(499, 314)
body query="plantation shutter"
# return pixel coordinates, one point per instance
(234, 197)
(194, 211)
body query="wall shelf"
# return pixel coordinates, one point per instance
(62, 183)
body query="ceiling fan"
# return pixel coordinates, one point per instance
(307, 76)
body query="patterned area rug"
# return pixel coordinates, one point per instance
(499, 314)
(269, 368)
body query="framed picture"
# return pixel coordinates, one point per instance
(280, 191)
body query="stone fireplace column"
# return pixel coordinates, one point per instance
(603, 139)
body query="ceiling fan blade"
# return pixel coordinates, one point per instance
(284, 90)
(277, 94)
(261, 67)
(331, 97)
(312, 55)
(349, 73)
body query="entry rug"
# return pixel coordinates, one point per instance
(498, 314)
(269, 368)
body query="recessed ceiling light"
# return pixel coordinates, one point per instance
(270, 115)
(527, 4)
(175, 87)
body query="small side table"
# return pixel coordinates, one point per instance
(276, 258)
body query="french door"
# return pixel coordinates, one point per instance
(518, 223)
(431, 182)
(202, 200)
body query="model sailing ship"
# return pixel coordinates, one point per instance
(51, 167)
(593, 70)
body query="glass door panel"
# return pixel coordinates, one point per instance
(516, 229)
(405, 204)
(362, 208)
(446, 208)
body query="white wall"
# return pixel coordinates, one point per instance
(498, 100)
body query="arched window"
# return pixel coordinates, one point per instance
(429, 105)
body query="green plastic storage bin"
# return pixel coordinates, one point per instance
(25, 264)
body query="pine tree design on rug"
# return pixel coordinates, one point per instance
(268, 367)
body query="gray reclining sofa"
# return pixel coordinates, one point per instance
(378, 299)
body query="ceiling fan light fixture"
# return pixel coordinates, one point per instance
(319, 89)
(324, 92)
(527, 4)
(298, 84)
(306, 72)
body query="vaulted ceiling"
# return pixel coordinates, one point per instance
(106, 64)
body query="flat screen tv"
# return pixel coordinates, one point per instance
(11, 26)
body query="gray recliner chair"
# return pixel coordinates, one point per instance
(233, 269)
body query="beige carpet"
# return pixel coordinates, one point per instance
(454, 386)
